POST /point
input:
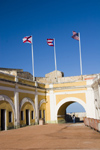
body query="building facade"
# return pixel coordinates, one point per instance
(23, 101)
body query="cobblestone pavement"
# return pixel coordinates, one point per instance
(51, 137)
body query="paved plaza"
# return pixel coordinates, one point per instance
(50, 137)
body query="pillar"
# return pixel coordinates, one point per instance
(16, 103)
(90, 107)
(52, 105)
(36, 106)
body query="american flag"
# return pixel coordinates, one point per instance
(75, 35)
(27, 39)
(50, 42)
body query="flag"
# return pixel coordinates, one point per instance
(75, 36)
(27, 39)
(50, 42)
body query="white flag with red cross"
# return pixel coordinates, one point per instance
(27, 39)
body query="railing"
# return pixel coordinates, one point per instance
(93, 123)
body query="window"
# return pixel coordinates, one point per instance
(32, 114)
(22, 115)
(10, 116)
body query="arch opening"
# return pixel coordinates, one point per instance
(64, 116)
(7, 109)
(27, 112)
(77, 110)
(42, 108)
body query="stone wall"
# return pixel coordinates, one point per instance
(53, 74)
(65, 79)
(49, 78)
(17, 72)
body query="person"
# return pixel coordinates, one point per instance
(73, 118)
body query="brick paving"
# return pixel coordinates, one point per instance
(51, 137)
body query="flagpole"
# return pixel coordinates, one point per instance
(80, 54)
(55, 59)
(32, 60)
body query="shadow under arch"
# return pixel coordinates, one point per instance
(64, 103)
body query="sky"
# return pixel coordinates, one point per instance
(75, 107)
(50, 19)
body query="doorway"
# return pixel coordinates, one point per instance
(27, 117)
(78, 109)
(3, 120)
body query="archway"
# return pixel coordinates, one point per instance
(75, 112)
(63, 104)
(42, 108)
(7, 112)
(24, 100)
(27, 111)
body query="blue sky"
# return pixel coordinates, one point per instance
(50, 19)
(75, 107)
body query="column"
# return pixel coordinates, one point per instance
(52, 105)
(16, 104)
(90, 108)
(36, 106)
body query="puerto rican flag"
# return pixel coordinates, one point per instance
(50, 42)
(75, 35)
(27, 39)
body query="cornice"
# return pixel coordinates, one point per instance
(68, 87)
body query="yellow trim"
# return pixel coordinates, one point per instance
(70, 90)
(47, 86)
(27, 82)
(41, 85)
(41, 97)
(26, 88)
(70, 84)
(81, 96)
(23, 95)
(48, 118)
(41, 91)
(7, 77)
(10, 94)
(7, 85)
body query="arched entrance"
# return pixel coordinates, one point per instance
(27, 112)
(75, 113)
(63, 104)
(42, 108)
(7, 113)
